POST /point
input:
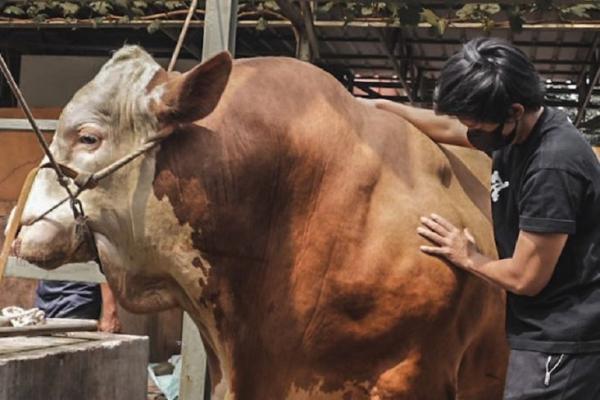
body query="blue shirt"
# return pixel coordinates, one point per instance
(64, 299)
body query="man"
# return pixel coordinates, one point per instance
(546, 214)
(63, 299)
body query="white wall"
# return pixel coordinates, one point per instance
(51, 81)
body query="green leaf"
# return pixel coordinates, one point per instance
(262, 24)
(393, 8)
(138, 12)
(154, 26)
(40, 18)
(139, 4)
(173, 5)
(69, 9)
(271, 5)
(41, 4)
(429, 16)
(467, 11)
(124, 19)
(14, 10)
(579, 10)
(101, 7)
(442, 24)
(365, 11)
(489, 8)
(325, 8)
(488, 25)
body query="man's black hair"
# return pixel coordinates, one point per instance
(482, 81)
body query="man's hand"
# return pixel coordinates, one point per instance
(373, 103)
(457, 246)
(109, 322)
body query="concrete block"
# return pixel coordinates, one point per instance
(74, 366)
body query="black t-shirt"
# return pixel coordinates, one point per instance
(551, 184)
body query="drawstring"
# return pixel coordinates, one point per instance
(551, 370)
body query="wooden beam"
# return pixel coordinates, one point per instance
(91, 24)
(350, 56)
(18, 124)
(395, 64)
(80, 272)
(410, 41)
(366, 87)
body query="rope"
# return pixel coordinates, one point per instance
(15, 220)
(103, 173)
(182, 35)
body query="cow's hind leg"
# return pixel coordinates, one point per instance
(415, 378)
(483, 367)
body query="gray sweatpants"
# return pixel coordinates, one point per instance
(533, 375)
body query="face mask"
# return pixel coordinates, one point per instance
(489, 142)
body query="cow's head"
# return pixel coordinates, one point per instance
(131, 101)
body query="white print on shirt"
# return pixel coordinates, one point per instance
(497, 186)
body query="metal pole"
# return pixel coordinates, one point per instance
(219, 34)
(220, 23)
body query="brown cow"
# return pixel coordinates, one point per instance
(281, 214)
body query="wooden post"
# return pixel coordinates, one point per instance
(193, 363)
(219, 34)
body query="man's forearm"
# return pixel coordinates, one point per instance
(503, 273)
(109, 303)
(439, 128)
(109, 320)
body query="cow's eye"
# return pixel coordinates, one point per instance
(88, 139)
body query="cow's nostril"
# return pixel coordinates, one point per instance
(15, 248)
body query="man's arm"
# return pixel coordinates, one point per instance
(109, 320)
(526, 273)
(440, 128)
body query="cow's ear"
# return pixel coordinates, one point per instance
(194, 94)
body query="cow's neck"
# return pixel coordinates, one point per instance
(263, 197)
(248, 199)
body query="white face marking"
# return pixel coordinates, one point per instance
(113, 107)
